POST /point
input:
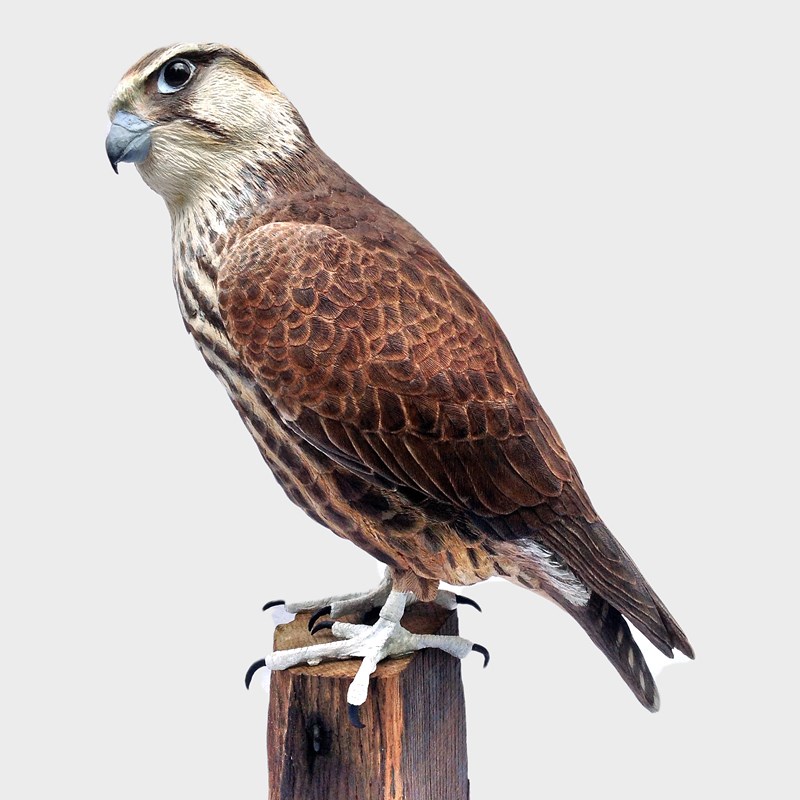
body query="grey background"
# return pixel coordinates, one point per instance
(618, 181)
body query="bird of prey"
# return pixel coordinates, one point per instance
(379, 389)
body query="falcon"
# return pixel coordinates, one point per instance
(379, 389)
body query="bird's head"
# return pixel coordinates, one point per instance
(196, 117)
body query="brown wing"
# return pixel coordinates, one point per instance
(394, 368)
(390, 368)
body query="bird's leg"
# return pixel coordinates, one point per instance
(343, 605)
(363, 602)
(371, 643)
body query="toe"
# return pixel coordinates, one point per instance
(479, 648)
(355, 719)
(254, 667)
(316, 615)
(467, 601)
(321, 626)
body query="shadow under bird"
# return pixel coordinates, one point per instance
(378, 387)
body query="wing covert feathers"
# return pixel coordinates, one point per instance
(392, 366)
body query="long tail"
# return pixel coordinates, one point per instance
(585, 570)
(608, 629)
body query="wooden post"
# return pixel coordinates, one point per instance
(413, 745)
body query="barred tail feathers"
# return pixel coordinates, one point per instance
(608, 629)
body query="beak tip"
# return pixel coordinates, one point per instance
(128, 139)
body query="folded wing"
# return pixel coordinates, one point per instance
(395, 369)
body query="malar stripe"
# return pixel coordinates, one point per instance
(208, 126)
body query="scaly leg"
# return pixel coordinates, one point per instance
(364, 602)
(372, 643)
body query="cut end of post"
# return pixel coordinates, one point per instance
(407, 741)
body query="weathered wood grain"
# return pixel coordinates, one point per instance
(413, 745)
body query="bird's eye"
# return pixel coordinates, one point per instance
(175, 75)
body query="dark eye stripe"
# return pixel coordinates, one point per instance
(180, 111)
(202, 57)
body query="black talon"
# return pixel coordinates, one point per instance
(467, 601)
(320, 626)
(479, 648)
(273, 603)
(255, 667)
(352, 712)
(317, 614)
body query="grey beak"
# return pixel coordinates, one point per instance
(128, 139)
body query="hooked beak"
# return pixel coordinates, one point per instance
(128, 139)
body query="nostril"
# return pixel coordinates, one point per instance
(131, 122)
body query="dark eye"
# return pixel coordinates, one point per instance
(175, 75)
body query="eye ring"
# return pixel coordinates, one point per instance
(174, 75)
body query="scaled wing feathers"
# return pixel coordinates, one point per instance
(394, 369)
